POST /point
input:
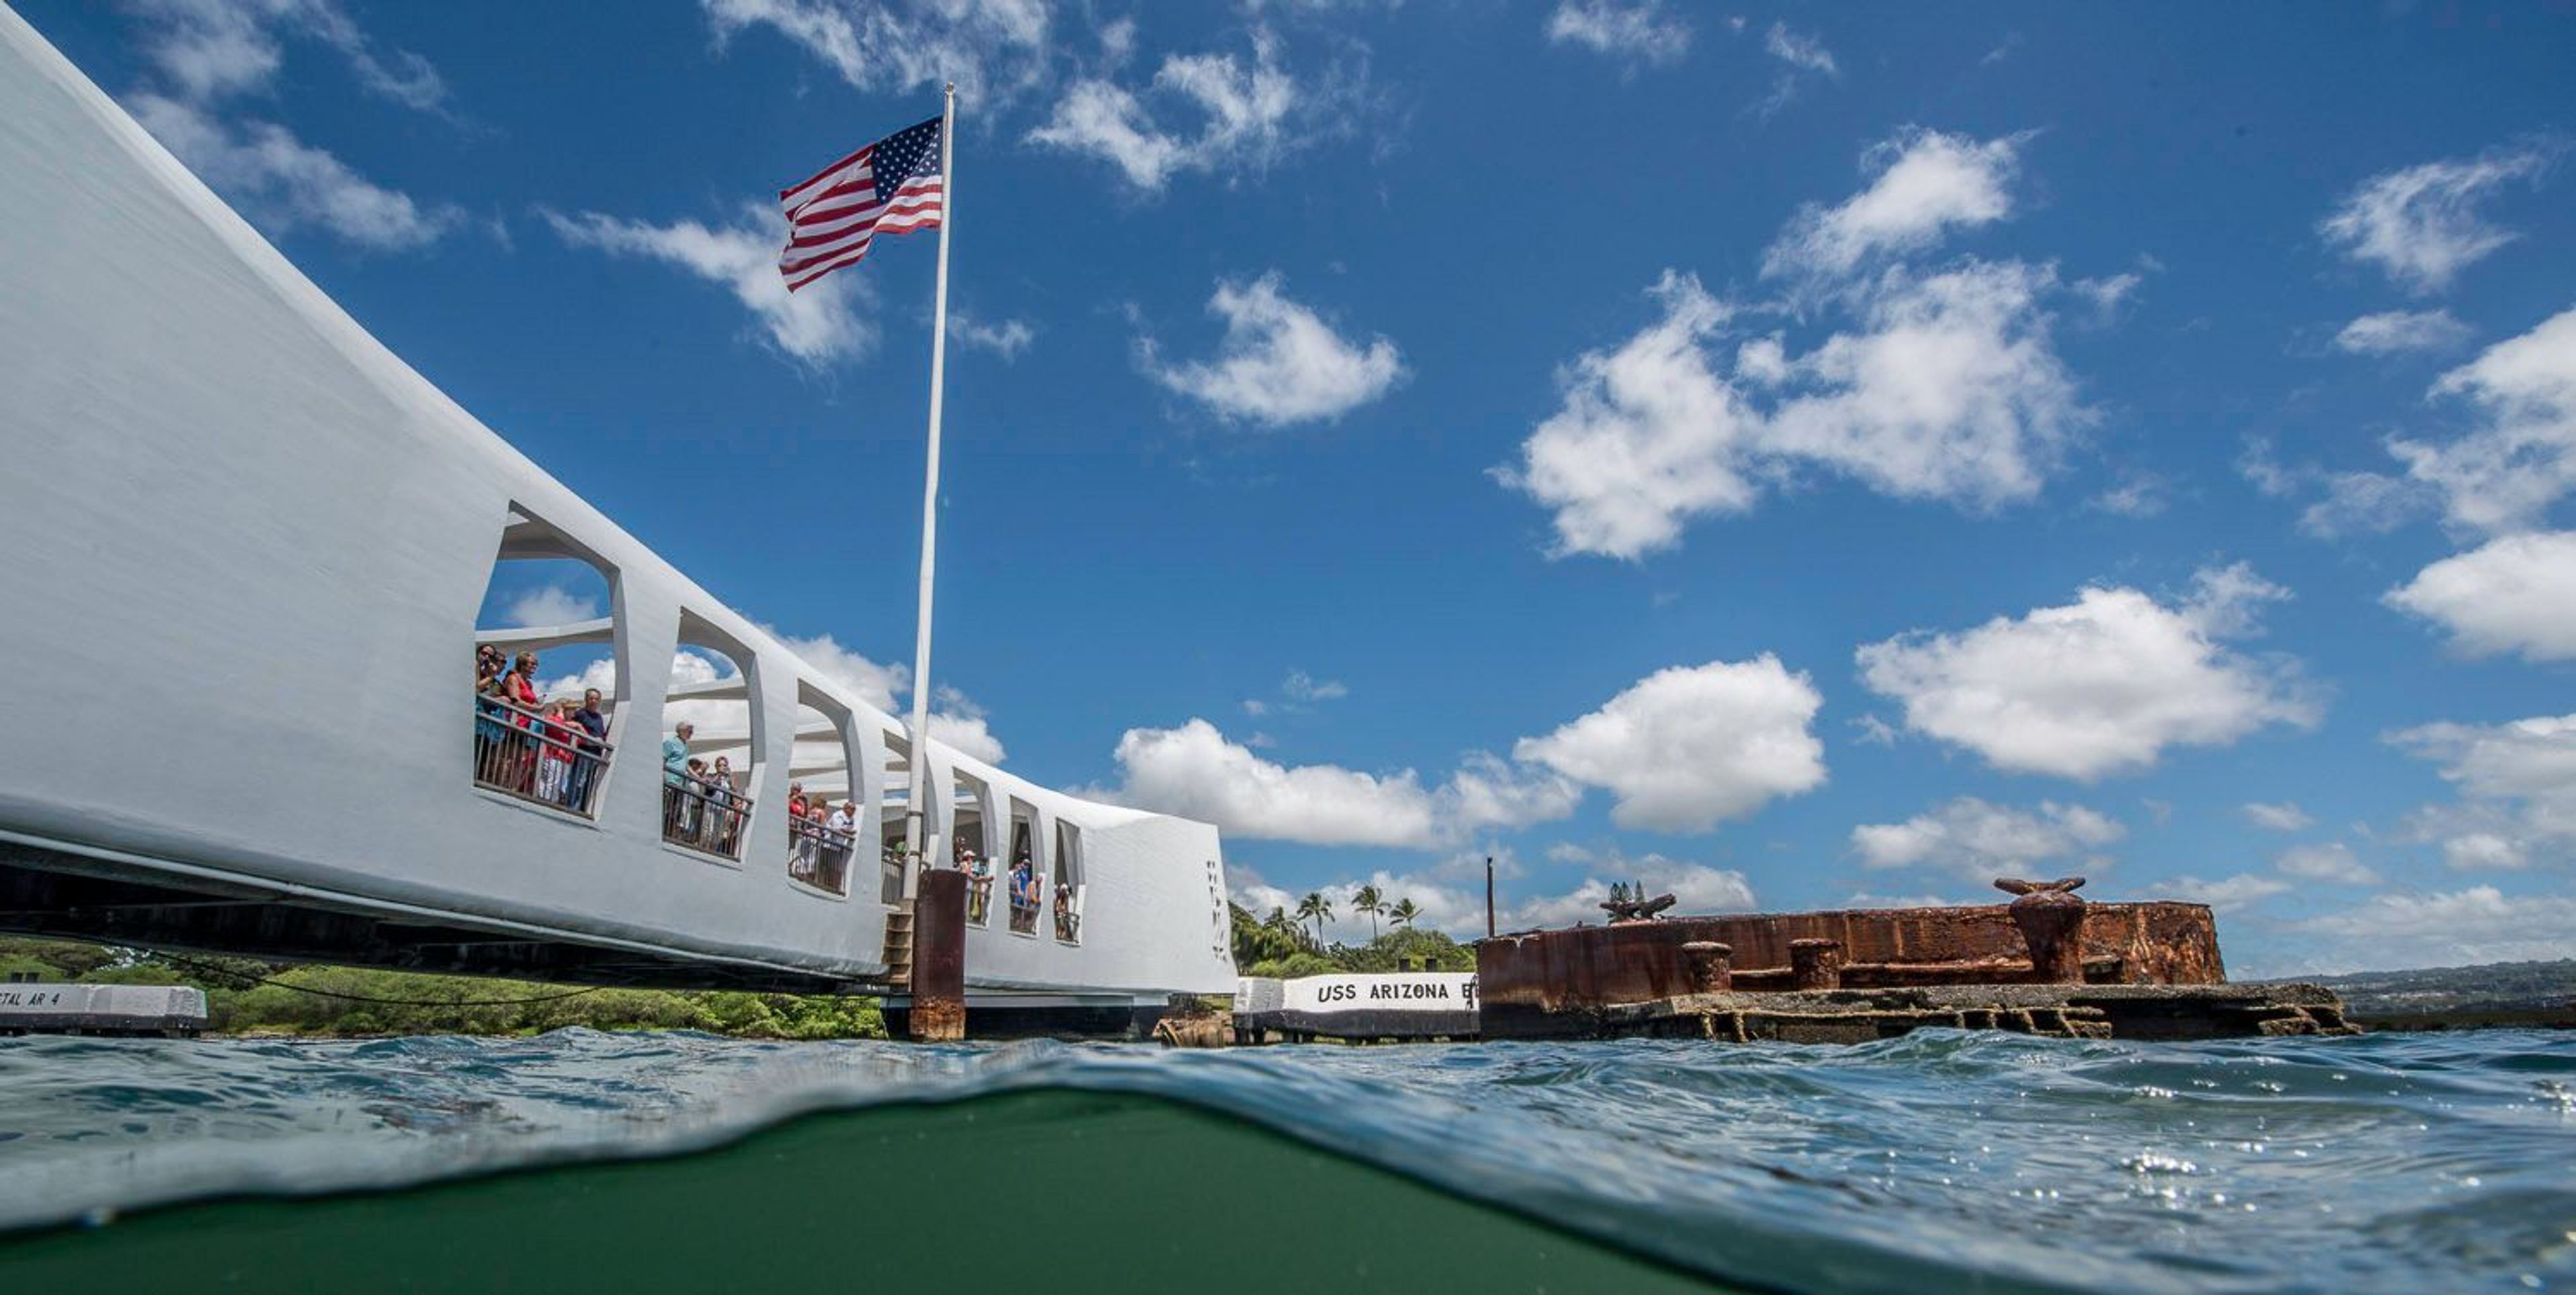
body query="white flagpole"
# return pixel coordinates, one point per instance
(917, 796)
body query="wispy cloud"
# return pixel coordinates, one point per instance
(1638, 32)
(826, 321)
(1005, 338)
(2422, 225)
(204, 53)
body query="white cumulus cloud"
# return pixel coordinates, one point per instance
(2422, 225)
(1212, 113)
(1194, 771)
(1979, 841)
(1948, 388)
(1279, 362)
(2520, 456)
(1691, 746)
(2517, 783)
(1925, 183)
(2096, 687)
(2514, 594)
(549, 606)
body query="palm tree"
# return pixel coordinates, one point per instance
(1368, 900)
(1404, 912)
(1314, 906)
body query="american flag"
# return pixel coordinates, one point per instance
(892, 186)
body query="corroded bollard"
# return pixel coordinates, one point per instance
(1815, 964)
(1710, 965)
(2051, 917)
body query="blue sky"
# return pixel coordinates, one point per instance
(1793, 457)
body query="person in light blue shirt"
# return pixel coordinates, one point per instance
(675, 755)
(679, 816)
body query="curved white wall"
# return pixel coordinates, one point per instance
(245, 546)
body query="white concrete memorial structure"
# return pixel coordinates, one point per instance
(245, 550)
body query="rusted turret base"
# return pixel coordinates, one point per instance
(1860, 1015)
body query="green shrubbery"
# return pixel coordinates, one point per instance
(1278, 947)
(320, 1000)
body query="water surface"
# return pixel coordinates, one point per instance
(2388, 1163)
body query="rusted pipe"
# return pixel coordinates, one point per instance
(2051, 917)
(1710, 966)
(1815, 964)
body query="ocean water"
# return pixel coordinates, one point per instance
(1940, 1161)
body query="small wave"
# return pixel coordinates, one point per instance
(1934, 1161)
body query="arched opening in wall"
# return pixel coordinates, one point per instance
(711, 741)
(895, 801)
(1068, 883)
(1027, 880)
(547, 688)
(1020, 849)
(967, 850)
(823, 827)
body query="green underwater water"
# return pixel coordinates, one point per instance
(1048, 1191)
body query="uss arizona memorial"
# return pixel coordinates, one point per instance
(224, 495)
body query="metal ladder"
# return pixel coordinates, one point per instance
(898, 945)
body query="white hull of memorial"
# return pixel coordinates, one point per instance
(247, 548)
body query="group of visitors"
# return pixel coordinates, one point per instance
(551, 751)
(820, 837)
(701, 806)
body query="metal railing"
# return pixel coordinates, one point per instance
(890, 879)
(703, 817)
(541, 760)
(819, 856)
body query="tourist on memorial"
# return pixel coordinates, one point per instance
(675, 780)
(519, 690)
(594, 748)
(843, 826)
(675, 754)
(800, 834)
(979, 890)
(1024, 896)
(554, 731)
(725, 803)
(1063, 913)
(700, 827)
(489, 732)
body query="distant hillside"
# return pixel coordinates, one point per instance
(2434, 998)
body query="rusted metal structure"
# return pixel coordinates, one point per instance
(938, 1011)
(2147, 969)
